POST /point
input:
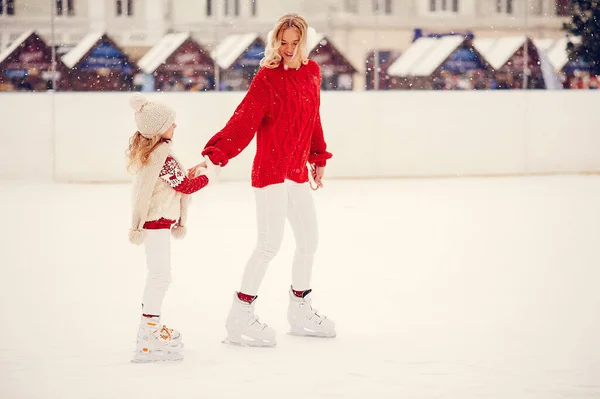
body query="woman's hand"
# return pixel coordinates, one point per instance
(317, 175)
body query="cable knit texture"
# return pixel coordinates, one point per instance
(155, 195)
(282, 108)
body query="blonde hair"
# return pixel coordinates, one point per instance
(272, 59)
(139, 150)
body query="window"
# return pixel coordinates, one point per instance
(65, 7)
(209, 10)
(7, 7)
(253, 9)
(351, 6)
(232, 7)
(125, 7)
(443, 5)
(564, 7)
(382, 5)
(504, 6)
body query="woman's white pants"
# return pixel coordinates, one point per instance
(274, 204)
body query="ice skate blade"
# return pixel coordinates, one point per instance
(311, 334)
(154, 358)
(252, 344)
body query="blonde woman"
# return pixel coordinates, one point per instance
(282, 108)
(160, 200)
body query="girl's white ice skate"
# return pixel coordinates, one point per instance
(244, 328)
(156, 342)
(305, 320)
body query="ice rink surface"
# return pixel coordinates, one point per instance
(461, 288)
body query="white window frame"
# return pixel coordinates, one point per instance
(231, 8)
(351, 6)
(443, 6)
(506, 7)
(4, 13)
(381, 7)
(127, 8)
(67, 8)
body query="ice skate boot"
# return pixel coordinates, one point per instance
(156, 342)
(244, 328)
(305, 320)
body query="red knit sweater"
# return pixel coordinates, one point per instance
(282, 108)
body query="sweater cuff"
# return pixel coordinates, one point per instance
(319, 159)
(216, 156)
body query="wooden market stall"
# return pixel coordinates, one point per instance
(97, 63)
(177, 63)
(337, 73)
(506, 55)
(238, 57)
(26, 65)
(441, 63)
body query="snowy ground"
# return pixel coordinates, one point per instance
(449, 288)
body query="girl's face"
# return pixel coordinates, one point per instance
(289, 43)
(168, 135)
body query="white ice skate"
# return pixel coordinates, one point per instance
(306, 321)
(244, 328)
(156, 342)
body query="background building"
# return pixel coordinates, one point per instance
(357, 27)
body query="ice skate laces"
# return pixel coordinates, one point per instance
(311, 313)
(166, 334)
(253, 318)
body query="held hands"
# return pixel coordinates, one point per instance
(193, 171)
(206, 168)
(317, 173)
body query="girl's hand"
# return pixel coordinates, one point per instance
(194, 170)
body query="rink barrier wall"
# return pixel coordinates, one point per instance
(82, 137)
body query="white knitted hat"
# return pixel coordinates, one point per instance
(152, 118)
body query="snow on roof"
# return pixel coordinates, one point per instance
(543, 44)
(403, 65)
(76, 53)
(13, 46)
(436, 55)
(230, 48)
(558, 55)
(159, 53)
(314, 41)
(500, 50)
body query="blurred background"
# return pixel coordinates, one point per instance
(201, 45)
(419, 88)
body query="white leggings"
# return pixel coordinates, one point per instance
(274, 204)
(158, 260)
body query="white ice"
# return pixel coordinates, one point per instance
(461, 288)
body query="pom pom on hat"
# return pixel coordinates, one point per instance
(152, 118)
(137, 102)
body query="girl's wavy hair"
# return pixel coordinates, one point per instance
(272, 59)
(139, 150)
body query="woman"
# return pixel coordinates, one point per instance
(282, 108)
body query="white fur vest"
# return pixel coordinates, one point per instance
(153, 198)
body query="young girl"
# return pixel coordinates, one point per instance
(160, 200)
(282, 109)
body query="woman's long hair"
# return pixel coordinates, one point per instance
(139, 150)
(272, 59)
